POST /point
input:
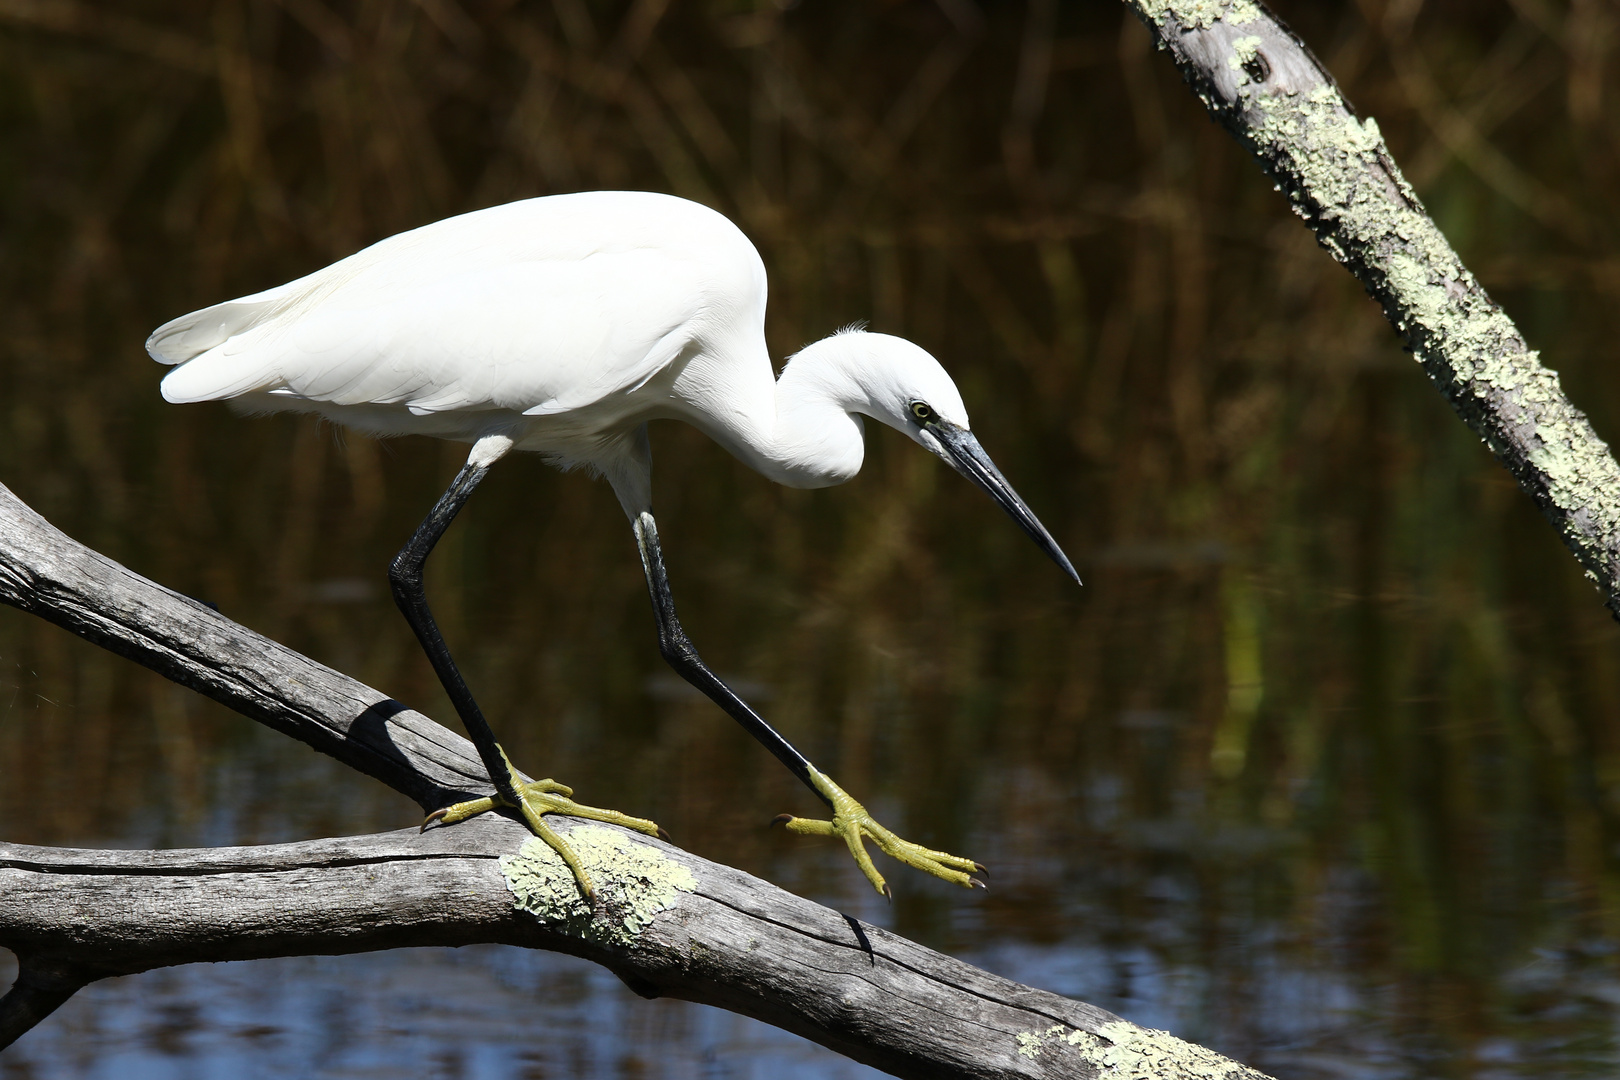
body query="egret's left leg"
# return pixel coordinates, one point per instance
(532, 800)
(850, 819)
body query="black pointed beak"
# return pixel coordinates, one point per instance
(963, 452)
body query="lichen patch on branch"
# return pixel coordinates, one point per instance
(1202, 14)
(1122, 1050)
(634, 880)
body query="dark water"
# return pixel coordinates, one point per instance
(1322, 766)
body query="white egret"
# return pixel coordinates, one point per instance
(562, 325)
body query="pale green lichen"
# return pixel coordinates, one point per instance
(1202, 14)
(634, 880)
(1120, 1049)
(1469, 344)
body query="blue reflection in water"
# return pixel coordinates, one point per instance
(498, 1011)
(460, 1014)
(1159, 945)
(1153, 918)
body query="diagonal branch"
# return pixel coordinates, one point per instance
(45, 572)
(666, 922)
(1264, 86)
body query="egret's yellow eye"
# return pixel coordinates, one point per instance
(920, 412)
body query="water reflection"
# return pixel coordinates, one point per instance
(1321, 767)
(469, 1014)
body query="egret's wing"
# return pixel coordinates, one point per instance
(518, 307)
(547, 335)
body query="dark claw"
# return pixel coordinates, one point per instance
(431, 818)
(888, 892)
(981, 868)
(781, 819)
(975, 883)
(668, 839)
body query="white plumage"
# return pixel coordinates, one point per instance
(562, 323)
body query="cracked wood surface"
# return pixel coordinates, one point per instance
(1265, 87)
(715, 935)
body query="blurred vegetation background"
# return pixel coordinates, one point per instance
(1322, 766)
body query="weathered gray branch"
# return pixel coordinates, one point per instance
(1266, 88)
(667, 922)
(716, 936)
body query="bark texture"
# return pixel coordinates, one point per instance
(1264, 86)
(666, 922)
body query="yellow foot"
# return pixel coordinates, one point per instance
(541, 797)
(851, 821)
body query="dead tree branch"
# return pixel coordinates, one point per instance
(666, 922)
(1264, 86)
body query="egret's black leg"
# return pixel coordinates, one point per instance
(850, 819)
(532, 800)
(405, 579)
(678, 651)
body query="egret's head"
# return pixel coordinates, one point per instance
(895, 377)
(903, 386)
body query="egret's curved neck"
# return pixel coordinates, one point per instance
(803, 430)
